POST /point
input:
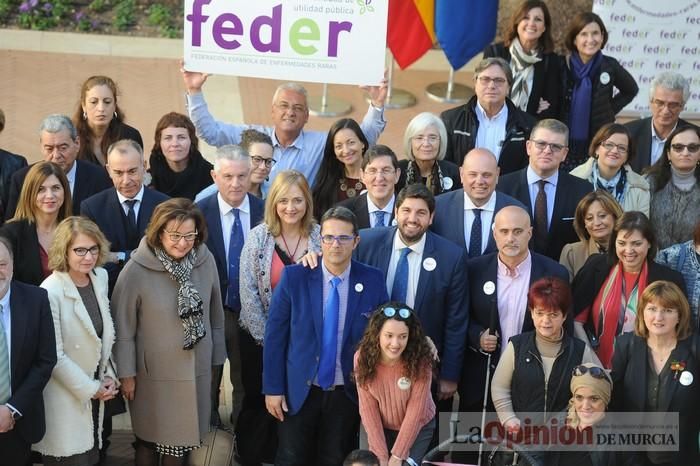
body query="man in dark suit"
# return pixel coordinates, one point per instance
(550, 194)
(465, 217)
(9, 163)
(498, 284)
(27, 357)
(380, 173)
(123, 212)
(437, 279)
(230, 214)
(317, 318)
(60, 144)
(668, 94)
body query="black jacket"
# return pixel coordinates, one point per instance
(9, 164)
(546, 81)
(448, 169)
(462, 125)
(604, 107)
(25, 250)
(358, 206)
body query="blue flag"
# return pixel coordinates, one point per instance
(464, 28)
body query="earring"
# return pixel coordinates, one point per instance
(115, 114)
(84, 116)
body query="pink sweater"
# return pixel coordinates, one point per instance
(384, 405)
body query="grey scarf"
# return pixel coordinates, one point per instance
(522, 65)
(189, 303)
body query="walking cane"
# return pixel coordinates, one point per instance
(489, 290)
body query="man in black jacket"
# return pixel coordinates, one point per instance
(9, 164)
(489, 120)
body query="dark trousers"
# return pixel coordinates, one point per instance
(14, 450)
(323, 432)
(232, 350)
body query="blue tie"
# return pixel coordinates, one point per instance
(235, 246)
(329, 347)
(475, 235)
(400, 286)
(5, 388)
(379, 218)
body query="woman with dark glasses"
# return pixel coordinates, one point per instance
(536, 366)
(654, 370)
(393, 371)
(674, 181)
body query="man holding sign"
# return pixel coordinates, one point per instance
(294, 148)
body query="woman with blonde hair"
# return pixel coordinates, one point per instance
(84, 376)
(45, 200)
(287, 233)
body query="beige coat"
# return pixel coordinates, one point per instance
(574, 255)
(172, 402)
(68, 395)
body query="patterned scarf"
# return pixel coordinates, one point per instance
(189, 303)
(615, 186)
(433, 181)
(521, 63)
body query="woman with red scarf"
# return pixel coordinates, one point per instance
(607, 288)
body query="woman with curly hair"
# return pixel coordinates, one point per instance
(393, 371)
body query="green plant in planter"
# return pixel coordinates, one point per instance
(124, 15)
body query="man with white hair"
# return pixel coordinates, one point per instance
(294, 148)
(667, 97)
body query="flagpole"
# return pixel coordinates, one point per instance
(395, 98)
(327, 106)
(449, 92)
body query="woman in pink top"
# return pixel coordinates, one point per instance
(393, 371)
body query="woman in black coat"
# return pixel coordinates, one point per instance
(654, 370)
(529, 48)
(589, 78)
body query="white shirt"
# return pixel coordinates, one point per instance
(415, 257)
(372, 207)
(137, 205)
(550, 189)
(71, 177)
(7, 324)
(227, 219)
(657, 144)
(492, 131)
(487, 211)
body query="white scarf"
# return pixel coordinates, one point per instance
(521, 63)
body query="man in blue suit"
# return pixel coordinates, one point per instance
(27, 357)
(498, 297)
(465, 216)
(123, 212)
(437, 278)
(230, 214)
(317, 318)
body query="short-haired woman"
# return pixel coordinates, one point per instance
(170, 332)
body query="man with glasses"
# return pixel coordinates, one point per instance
(489, 120)
(427, 272)
(230, 214)
(317, 317)
(294, 148)
(668, 94)
(380, 173)
(551, 194)
(59, 143)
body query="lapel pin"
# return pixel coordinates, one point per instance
(429, 264)
(359, 287)
(404, 383)
(686, 378)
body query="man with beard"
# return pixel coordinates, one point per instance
(428, 273)
(504, 278)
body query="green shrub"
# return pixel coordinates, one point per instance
(124, 15)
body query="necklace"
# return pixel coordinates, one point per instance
(351, 191)
(292, 255)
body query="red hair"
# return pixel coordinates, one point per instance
(550, 294)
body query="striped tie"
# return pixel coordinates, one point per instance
(5, 388)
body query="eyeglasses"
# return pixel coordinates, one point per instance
(257, 160)
(486, 80)
(611, 145)
(391, 312)
(431, 139)
(95, 250)
(692, 148)
(387, 172)
(595, 371)
(342, 239)
(175, 237)
(672, 106)
(542, 145)
(285, 107)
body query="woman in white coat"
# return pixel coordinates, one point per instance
(84, 377)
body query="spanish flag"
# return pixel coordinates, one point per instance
(411, 32)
